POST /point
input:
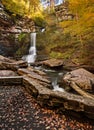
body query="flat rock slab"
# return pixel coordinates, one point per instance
(7, 73)
(83, 78)
(12, 80)
(38, 77)
(4, 59)
(33, 75)
(14, 65)
(53, 63)
(55, 99)
(6, 63)
(60, 100)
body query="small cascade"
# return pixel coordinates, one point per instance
(56, 85)
(31, 57)
(54, 77)
(43, 29)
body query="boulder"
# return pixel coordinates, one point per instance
(83, 78)
(53, 63)
(60, 100)
(7, 73)
(6, 63)
(36, 83)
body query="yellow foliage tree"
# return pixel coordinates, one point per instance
(29, 8)
(84, 16)
(81, 27)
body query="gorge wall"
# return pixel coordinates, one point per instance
(13, 31)
(62, 12)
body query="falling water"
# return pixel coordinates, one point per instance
(31, 57)
(56, 85)
(54, 77)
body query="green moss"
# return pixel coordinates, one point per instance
(39, 21)
(55, 55)
(21, 36)
(23, 45)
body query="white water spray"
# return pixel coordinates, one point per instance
(31, 57)
(56, 86)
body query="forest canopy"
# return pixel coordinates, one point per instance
(76, 34)
(81, 27)
(30, 8)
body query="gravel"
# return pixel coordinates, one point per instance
(20, 111)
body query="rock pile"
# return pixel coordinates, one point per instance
(38, 84)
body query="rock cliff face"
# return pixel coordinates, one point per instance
(5, 19)
(20, 24)
(5, 24)
(11, 31)
(62, 12)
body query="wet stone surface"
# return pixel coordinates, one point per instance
(19, 111)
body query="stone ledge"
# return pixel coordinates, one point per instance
(60, 100)
(53, 63)
(12, 80)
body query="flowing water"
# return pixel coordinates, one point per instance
(54, 76)
(31, 57)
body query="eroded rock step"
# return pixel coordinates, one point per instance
(12, 80)
(55, 99)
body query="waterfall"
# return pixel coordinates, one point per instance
(31, 57)
(56, 85)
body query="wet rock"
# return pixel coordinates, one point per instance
(37, 71)
(33, 75)
(35, 85)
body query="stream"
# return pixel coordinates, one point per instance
(54, 75)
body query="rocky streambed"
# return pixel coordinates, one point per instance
(38, 84)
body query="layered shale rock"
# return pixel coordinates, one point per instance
(38, 84)
(6, 63)
(40, 87)
(53, 63)
(83, 78)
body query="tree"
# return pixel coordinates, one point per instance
(84, 14)
(81, 29)
(23, 7)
